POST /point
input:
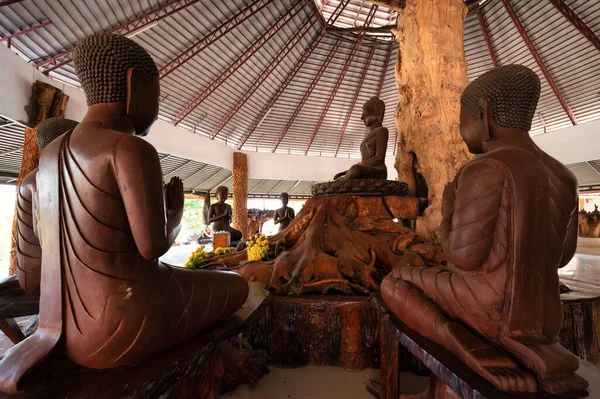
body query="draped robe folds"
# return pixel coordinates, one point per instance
(29, 251)
(510, 221)
(112, 306)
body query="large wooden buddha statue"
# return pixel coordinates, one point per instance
(509, 222)
(105, 218)
(373, 147)
(29, 251)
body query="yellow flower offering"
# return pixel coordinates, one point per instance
(258, 247)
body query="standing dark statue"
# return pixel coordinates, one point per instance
(29, 251)
(105, 218)
(220, 215)
(373, 147)
(509, 222)
(285, 214)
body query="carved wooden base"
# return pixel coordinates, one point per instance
(361, 187)
(580, 333)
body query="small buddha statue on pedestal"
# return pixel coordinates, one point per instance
(373, 147)
(509, 222)
(29, 251)
(285, 214)
(105, 219)
(220, 215)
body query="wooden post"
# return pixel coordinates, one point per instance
(29, 161)
(239, 183)
(431, 75)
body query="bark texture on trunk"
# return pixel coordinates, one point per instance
(239, 183)
(430, 75)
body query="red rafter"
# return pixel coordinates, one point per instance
(241, 60)
(577, 22)
(486, 36)
(12, 36)
(281, 89)
(384, 71)
(277, 60)
(354, 99)
(338, 83)
(213, 36)
(308, 92)
(265, 111)
(169, 8)
(9, 2)
(536, 56)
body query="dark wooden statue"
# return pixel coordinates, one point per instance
(285, 214)
(104, 219)
(509, 222)
(373, 147)
(220, 215)
(29, 251)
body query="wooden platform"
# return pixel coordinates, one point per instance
(152, 378)
(444, 365)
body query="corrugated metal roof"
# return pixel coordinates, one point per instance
(226, 82)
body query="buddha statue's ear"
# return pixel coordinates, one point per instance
(485, 115)
(133, 85)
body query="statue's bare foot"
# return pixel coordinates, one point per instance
(554, 365)
(483, 358)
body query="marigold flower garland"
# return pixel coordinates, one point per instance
(199, 256)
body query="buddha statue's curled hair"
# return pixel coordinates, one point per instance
(102, 62)
(377, 104)
(52, 128)
(513, 90)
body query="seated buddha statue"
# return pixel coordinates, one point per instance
(373, 147)
(509, 223)
(220, 215)
(104, 220)
(29, 251)
(285, 214)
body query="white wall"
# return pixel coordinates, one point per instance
(574, 144)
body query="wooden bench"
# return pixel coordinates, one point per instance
(197, 368)
(14, 303)
(450, 378)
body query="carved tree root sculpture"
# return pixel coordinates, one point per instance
(336, 243)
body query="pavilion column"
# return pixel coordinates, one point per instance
(430, 76)
(239, 184)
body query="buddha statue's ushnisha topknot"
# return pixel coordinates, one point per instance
(377, 104)
(50, 129)
(102, 62)
(513, 90)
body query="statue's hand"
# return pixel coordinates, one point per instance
(174, 195)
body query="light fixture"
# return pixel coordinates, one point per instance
(141, 29)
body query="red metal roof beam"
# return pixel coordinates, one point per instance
(536, 56)
(9, 2)
(265, 111)
(211, 37)
(24, 31)
(275, 62)
(241, 60)
(577, 22)
(355, 99)
(384, 71)
(339, 80)
(486, 36)
(169, 8)
(308, 92)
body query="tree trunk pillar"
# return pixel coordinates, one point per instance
(239, 183)
(430, 76)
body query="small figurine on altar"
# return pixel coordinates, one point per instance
(220, 215)
(285, 214)
(373, 147)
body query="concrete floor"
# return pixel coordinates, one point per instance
(588, 246)
(320, 383)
